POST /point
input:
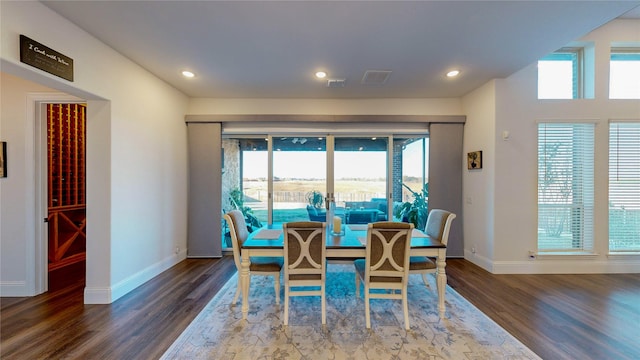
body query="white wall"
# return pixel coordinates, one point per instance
(478, 185)
(516, 109)
(136, 158)
(14, 209)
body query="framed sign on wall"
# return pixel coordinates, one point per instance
(474, 160)
(3, 159)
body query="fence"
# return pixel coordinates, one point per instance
(301, 197)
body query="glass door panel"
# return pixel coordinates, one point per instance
(299, 178)
(244, 181)
(411, 190)
(360, 178)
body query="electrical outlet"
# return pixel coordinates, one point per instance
(473, 249)
(177, 249)
(532, 255)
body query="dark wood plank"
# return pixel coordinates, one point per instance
(586, 316)
(557, 316)
(140, 325)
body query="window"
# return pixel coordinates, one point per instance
(560, 74)
(624, 73)
(624, 186)
(565, 187)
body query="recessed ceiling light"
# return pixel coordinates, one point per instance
(321, 74)
(453, 73)
(188, 74)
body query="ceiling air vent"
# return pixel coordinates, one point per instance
(336, 83)
(375, 77)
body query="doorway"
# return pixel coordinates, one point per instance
(66, 194)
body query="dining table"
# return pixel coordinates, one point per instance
(349, 243)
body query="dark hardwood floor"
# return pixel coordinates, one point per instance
(557, 316)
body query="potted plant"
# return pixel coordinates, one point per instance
(315, 199)
(236, 198)
(415, 211)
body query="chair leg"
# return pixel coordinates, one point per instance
(276, 286)
(323, 298)
(235, 297)
(405, 309)
(424, 279)
(367, 316)
(286, 305)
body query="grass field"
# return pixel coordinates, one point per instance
(290, 196)
(345, 190)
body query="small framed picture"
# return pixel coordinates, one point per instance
(474, 160)
(3, 159)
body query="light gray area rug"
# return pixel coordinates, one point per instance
(219, 332)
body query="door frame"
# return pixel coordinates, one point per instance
(37, 250)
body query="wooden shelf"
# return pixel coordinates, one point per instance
(66, 133)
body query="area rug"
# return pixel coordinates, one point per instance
(219, 332)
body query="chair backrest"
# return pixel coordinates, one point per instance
(304, 248)
(239, 233)
(387, 259)
(314, 215)
(439, 224)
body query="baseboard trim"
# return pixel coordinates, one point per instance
(97, 295)
(565, 266)
(101, 295)
(14, 289)
(579, 265)
(479, 260)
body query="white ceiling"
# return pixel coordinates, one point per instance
(271, 49)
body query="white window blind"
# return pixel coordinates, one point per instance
(624, 186)
(565, 187)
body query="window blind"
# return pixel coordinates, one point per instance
(565, 187)
(624, 186)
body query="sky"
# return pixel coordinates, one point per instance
(312, 164)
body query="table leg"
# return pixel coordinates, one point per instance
(244, 282)
(441, 280)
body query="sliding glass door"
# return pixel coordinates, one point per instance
(283, 178)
